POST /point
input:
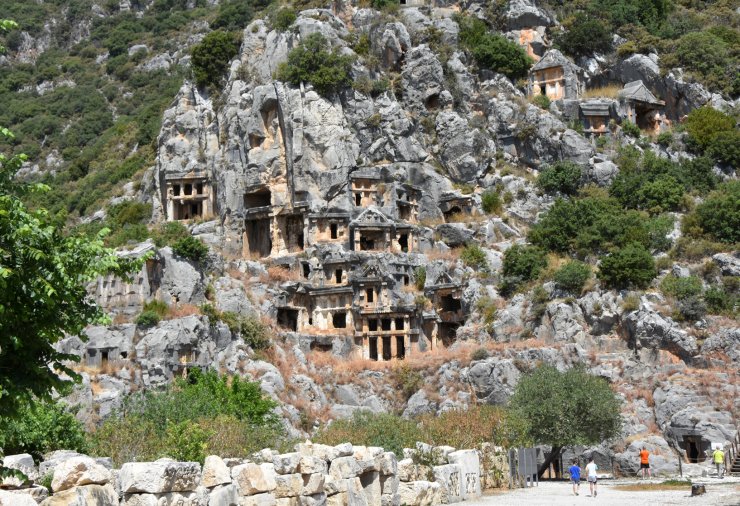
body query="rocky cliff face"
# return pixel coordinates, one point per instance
(322, 213)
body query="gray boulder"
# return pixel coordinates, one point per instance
(493, 380)
(648, 329)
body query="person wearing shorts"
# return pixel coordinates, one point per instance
(645, 462)
(591, 468)
(575, 476)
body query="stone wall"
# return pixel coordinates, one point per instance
(313, 474)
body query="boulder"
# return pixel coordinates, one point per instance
(286, 463)
(254, 479)
(22, 462)
(469, 462)
(526, 14)
(159, 477)
(454, 234)
(288, 485)
(648, 329)
(313, 484)
(88, 495)
(11, 499)
(79, 471)
(344, 467)
(265, 499)
(224, 495)
(215, 472)
(449, 476)
(493, 379)
(419, 404)
(728, 263)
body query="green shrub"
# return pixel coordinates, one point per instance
(561, 177)
(524, 262)
(584, 37)
(408, 380)
(493, 52)
(631, 303)
(169, 233)
(719, 300)
(186, 442)
(572, 276)
(191, 248)
(491, 202)
(148, 318)
(706, 55)
(664, 138)
(233, 15)
(681, 288)
(725, 148)
(631, 129)
(42, 427)
(630, 266)
(541, 101)
(283, 19)
(473, 256)
(211, 58)
(719, 214)
(486, 306)
(312, 61)
(692, 308)
(704, 124)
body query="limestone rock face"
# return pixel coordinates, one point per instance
(649, 329)
(525, 14)
(493, 380)
(79, 471)
(159, 477)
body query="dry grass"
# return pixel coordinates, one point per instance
(652, 487)
(451, 255)
(609, 91)
(432, 222)
(181, 311)
(277, 273)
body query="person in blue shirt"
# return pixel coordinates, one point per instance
(575, 476)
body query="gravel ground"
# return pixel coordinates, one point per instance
(719, 492)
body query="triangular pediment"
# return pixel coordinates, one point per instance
(372, 216)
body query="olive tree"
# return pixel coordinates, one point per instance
(566, 408)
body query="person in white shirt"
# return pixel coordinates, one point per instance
(591, 468)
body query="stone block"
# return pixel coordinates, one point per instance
(288, 485)
(388, 463)
(344, 467)
(448, 476)
(355, 493)
(340, 499)
(36, 492)
(344, 449)
(371, 486)
(159, 477)
(87, 495)
(265, 499)
(312, 500)
(309, 465)
(10, 499)
(254, 479)
(420, 493)
(79, 471)
(334, 485)
(313, 484)
(286, 463)
(389, 484)
(286, 501)
(215, 472)
(469, 463)
(224, 495)
(324, 452)
(408, 471)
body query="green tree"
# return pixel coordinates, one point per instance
(719, 214)
(191, 248)
(314, 62)
(210, 59)
(631, 266)
(43, 295)
(566, 408)
(572, 276)
(497, 53)
(705, 123)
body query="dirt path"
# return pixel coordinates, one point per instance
(719, 492)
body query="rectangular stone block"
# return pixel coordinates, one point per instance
(469, 463)
(310, 465)
(371, 486)
(313, 484)
(286, 463)
(389, 484)
(388, 463)
(449, 477)
(420, 493)
(288, 485)
(286, 501)
(159, 477)
(312, 500)
(390, 500)
(254, 479)
(265, 499)
(344, 467)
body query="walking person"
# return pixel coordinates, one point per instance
(575, 476)
(719, 460)
(591, 468)
(645, 462)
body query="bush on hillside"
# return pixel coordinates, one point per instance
(629, 267)
(473, 256)
(706, 55)
(681, 288)
(725, 148)
(491, 202)
(705, 123)
(719, 215)
(42, 427)
(524, 262)
(313, 61)
(170, 232)
(283, 18)
(390, 432)
(493, 52)
(631, 129)
(211, 58)
(541, 101)
(191, 248)
(584, 36)
(572, 276)
(561, 177)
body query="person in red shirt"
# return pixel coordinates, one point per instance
(645, 462)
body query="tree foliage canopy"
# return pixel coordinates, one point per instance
(211, 58)
(314, 62)
(567, 408)
(43, 295)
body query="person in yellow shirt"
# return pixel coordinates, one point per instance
(719, 460)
